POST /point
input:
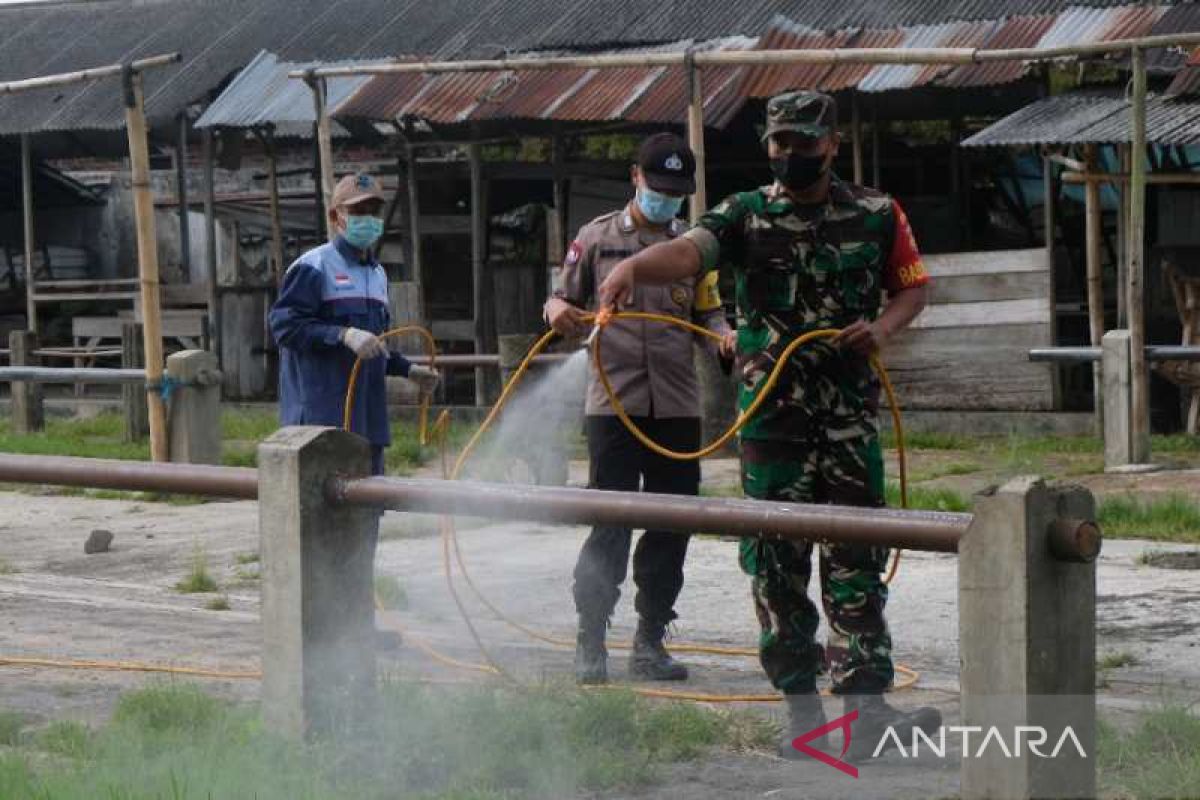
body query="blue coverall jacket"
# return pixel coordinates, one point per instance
(330, 288)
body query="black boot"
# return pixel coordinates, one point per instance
(649, 660)
(591, 656)
(804, 714)
(875, 717)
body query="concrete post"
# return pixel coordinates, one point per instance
(317, 612)
(195, 412)
(1027, 638)
(133, 396)
(28, 412)
(1121, 448)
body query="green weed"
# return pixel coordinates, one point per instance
(219, 603)
(66, 738)
(1160, 757)
(390, 594)
(1116, 660)
(11, 724)
(247, 558)
(7, 568)
(928, 499)
(198, 579)
(1169, 518)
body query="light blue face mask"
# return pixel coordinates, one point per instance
(363, 231)
(658, 208)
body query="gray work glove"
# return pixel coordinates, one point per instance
(426, 378)
(364, 344)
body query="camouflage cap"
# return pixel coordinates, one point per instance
(807, 112)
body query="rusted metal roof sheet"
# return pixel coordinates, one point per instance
(1017, 32)
(846, 76)
(1092, 117)
(784, 34)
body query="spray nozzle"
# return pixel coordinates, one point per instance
(603, 317)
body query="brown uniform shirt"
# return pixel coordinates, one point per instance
(648, 363)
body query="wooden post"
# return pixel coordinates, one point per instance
(1123, 240)
(31, 323)
(324, 148)
(559, 228)
(28, 412)
(210, 244)
(1048, 189)
(268, 140)
(133, 397)
(699, 201)
(1139, 376)
(147, 247)
(482, 299)
(181, 181)
(414, 215)
(1095, 286)
(856, 138)
(875, 166)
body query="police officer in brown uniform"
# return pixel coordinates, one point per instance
(650, 368)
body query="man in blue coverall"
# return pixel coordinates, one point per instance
(332, 307)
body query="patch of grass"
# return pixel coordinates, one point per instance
(11, 724)
(218, 603)
(1179, 443)
(946, 471)
(173, 741)
(247, 558)
(66, 738)
(94, 437)
(236, 455)
(390, 593)
(920, 440)
(7, 568)
(1116, 660)
(198, 580)
(928, 499)
(1159, 757)
(1170, 518)
(248, 425)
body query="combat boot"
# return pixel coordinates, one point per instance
(591, 656)
(875, 717)
(649, 660)
(805, 713)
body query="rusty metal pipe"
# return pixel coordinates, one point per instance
(137, 476)
(483, 360)
(910, 530)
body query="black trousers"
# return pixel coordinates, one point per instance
(620, 462)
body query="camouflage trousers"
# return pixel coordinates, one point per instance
(859, 647)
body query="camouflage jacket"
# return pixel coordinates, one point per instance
(802, 268)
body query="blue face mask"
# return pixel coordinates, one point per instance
(658, 208)
(363, 231)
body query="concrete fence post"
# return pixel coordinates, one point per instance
(317, 611)
(1118, 400)
(28, 411)
(195, 411)
(1027, 638)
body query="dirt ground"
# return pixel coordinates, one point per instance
(58, 603)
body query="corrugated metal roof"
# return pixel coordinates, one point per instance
(1092, 117)
(1017, 32)
(217, 37)
(641, 94)
(263, 94)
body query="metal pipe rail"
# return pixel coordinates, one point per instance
(471, 360)
(912, 530)
(71, 375)
(1072, 355)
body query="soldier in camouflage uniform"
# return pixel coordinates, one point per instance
(810, 251)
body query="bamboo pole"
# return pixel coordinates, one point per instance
(856, 139)
(414, 221)
(895, 55)
(147, 247)
(1139, 376)
(558, 179)
(324, 149)
(1123, 239)
(31, 323)
(1048, 223)
(699, 200)
(79, 76)
(481, 297)
(1095, 286)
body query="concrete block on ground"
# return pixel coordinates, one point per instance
(195, 408)
(1027, 628)
(317, 582)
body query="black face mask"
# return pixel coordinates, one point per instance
(798, 172)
